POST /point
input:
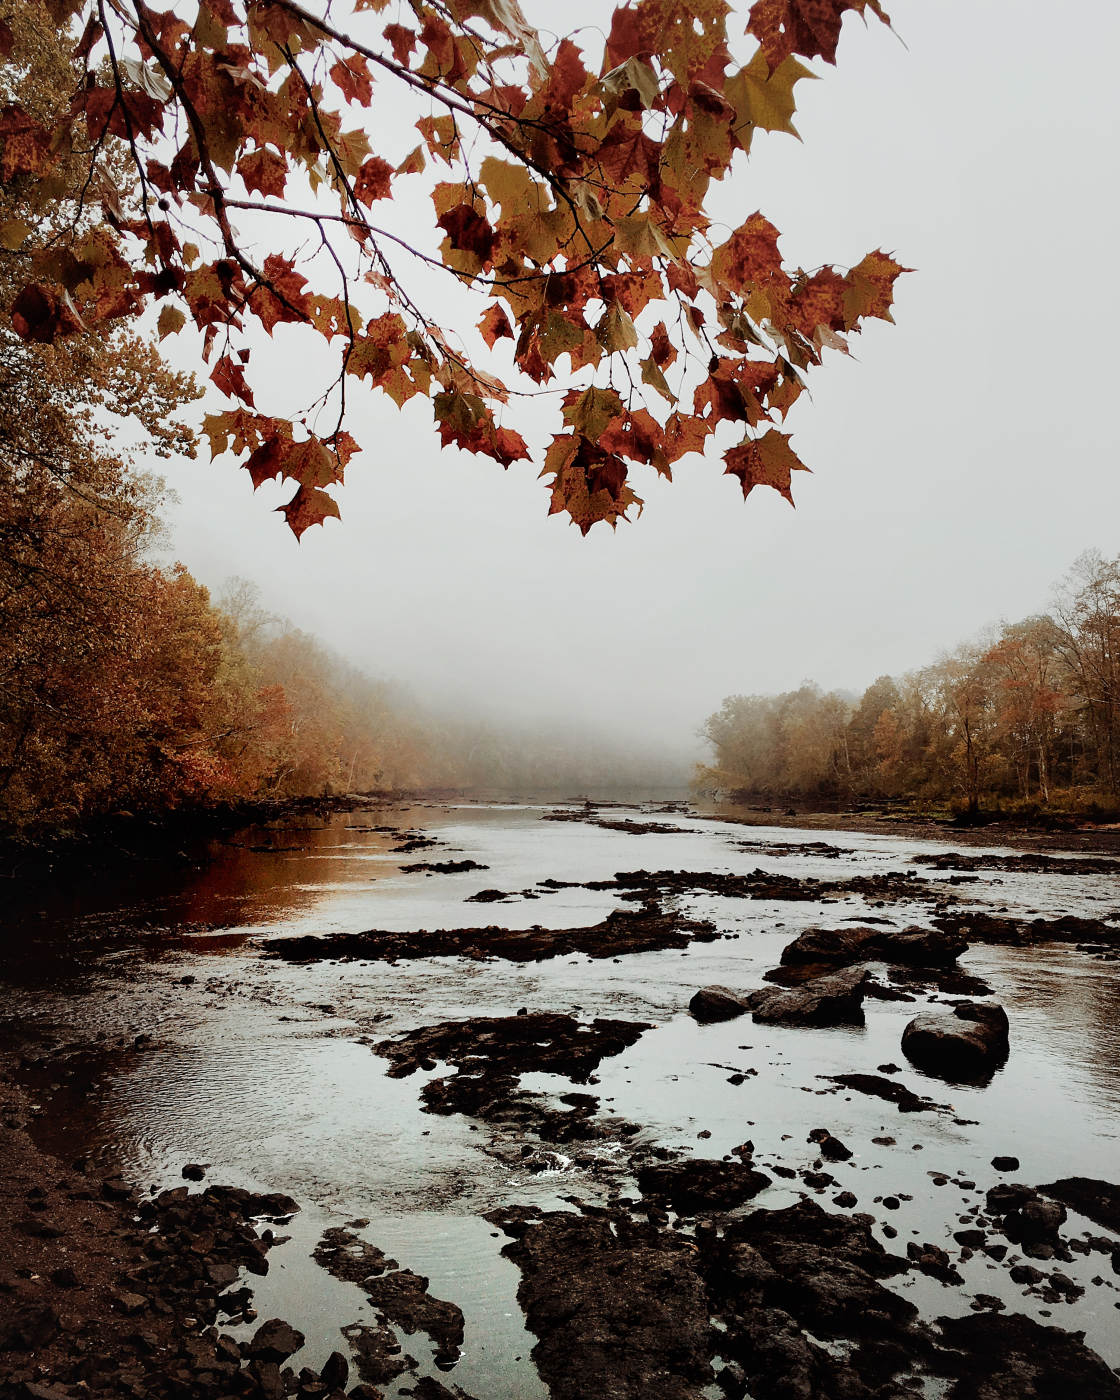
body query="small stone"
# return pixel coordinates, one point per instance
(1005, 1164)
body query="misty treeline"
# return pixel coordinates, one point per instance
(1028, 716)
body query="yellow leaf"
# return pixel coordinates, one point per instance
(765, 99)
(616, 331)
(651, 375)
(13, 233)
(171, 319)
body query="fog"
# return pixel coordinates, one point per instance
(961, 458)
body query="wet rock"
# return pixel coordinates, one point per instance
(823, 1269)
(1029, 861)
(916, 947)
(1005, 1164)
(929, 1259)
(1012, 1356)
(398, 1295)
(833, 1000)
(980, 927)
(443, 867)
(377, 1353)
(702, 1185)
(619, 1307)
(1099, 1200)
(830, 1148)
(904, 1099)
(195, 1171)
(274, 1340)
(622, 931)
(336, 1371)
(968, 1043)
(491, 1054)
(717, 1004)
(1028, 1219)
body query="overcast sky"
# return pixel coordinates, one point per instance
(961, 460)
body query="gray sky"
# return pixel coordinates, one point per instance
(961, 460)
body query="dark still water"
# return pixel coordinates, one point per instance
(157, 1032)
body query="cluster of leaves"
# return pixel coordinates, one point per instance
(569, 190)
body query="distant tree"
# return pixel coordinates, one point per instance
(568, 189)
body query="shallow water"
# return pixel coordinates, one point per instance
(264, 1070)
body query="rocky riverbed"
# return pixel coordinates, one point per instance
(679, 1113)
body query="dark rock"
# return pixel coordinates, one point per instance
(275, 1340)
(646, 929)
(336, 1371)
(916, 947)
(195, 1171)
(1099, 1200)
(717, 1004)
(970, 1043)
(702, 1185)
(833, 1000)
(491, 1054)
(905, 1100)
(1016, 1357)
(619, 1307)
(1005, 1164)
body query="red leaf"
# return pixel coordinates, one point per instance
(264, 171)
(308, 507)
(374, 180)
(467, 229)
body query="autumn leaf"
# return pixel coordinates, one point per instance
(765, 461)
(308, 507)
(494, 325)
(808, 27)
(264, 172)
(373, 180)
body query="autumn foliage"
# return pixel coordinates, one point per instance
(1028, 715)
(569, 190)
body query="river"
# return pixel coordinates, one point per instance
(156, 1032)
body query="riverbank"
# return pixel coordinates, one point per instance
(1064, 832)
(180, 838)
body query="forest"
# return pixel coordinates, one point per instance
(1030, 716)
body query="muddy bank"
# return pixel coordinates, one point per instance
(106, 1293)
(1061, 833)
(184, 838)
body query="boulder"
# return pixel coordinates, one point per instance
(833, 1000)
(970, 1042)
(274, 1340)
(841, 947)
(717, 1004)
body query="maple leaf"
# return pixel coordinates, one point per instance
(229, 376)
(765, 461)
(264, 172)
(309, 506)
(870, 288)
(401, 40)
(468, 232)
(591, 411)
(807, 27)
(373, 180)
(41, 314)
(353, 78)
(763, 97)
(494, 325)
